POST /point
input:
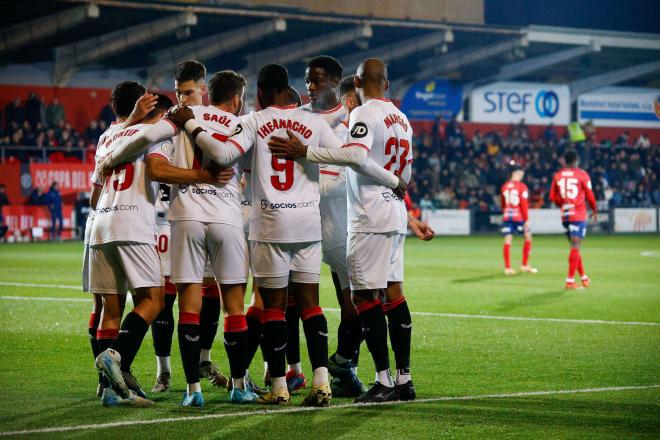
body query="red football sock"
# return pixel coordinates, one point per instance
(580, 268)
(573, 261)
(507, 255)
(527, 249)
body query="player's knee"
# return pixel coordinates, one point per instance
(359, 297)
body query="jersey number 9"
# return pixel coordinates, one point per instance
(282, 165)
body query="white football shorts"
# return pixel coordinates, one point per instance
(117, 266)
(374, 259)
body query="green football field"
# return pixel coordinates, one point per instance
(493, 356)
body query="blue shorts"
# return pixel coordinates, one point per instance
(575, 229)
(510, 227)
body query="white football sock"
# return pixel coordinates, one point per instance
(297, 368)
(194, 387)
(238, 384)
(278, 384)
(265, 366)
(385, 378)
(402, 376)
(204, 356)
(320, 377)
(163, 363)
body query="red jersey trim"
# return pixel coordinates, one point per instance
(158, 154)
(332, 110)
(220, 137)
(237, 145)
(356, 144)
(97, 185)
(382, 99)
(329, 173)
(176, 129)
(286, 107)
(345, 123)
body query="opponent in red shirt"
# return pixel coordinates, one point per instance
(571, 190)
(514, 201)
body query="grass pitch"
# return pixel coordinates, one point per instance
(476, 375)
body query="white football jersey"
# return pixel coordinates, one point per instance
(125, 211)
(332, 181)
(98, 155)
(285, 193)
(384, 131)
(201, 201)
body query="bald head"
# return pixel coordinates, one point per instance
(371, 79)
(372, 70)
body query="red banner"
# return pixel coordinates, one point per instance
(73, 178)
(22, 219)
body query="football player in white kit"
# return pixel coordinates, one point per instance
(190, 87)
(322, 77)
(377, 224)
(285, 229)
(123, 254)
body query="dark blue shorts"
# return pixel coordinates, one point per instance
(510, 227)
(575, 229)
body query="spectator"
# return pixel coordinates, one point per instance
(36, 198)
(55, 113)
(643, 141)
(54, 201)
(33, 108)
(4, 200)
(550, 135)
(93, 132)
(426, 202)
(107, 115)
(14, 113)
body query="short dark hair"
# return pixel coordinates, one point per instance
(273, 78)
(223, 85)
(189, 70)
(163, 103)
(347, 85)
(513, 167)
(294, 96)
(124, 97)
(570, 157)
(331, 65)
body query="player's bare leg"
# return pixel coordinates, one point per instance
(506, 251)
(190, 306)
(208, 328)
(400, 328)
(316, 333)
(374, 326)
(274, 343)
(236, 340)
(527, 249)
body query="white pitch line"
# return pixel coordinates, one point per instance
(523, 318)
(435, 314)
(307, 409)
(47, 286)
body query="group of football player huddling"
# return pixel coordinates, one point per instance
(188, 199)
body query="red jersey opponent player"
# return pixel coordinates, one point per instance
(571, 190)
(514, 201)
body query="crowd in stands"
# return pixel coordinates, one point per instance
(34, 123)
(451, 170)
(454, 171)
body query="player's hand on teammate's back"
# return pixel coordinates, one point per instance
(144, 105)
(290, 148)
(179, 115)
(400, 191)
(222, 175)
(421, 229)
